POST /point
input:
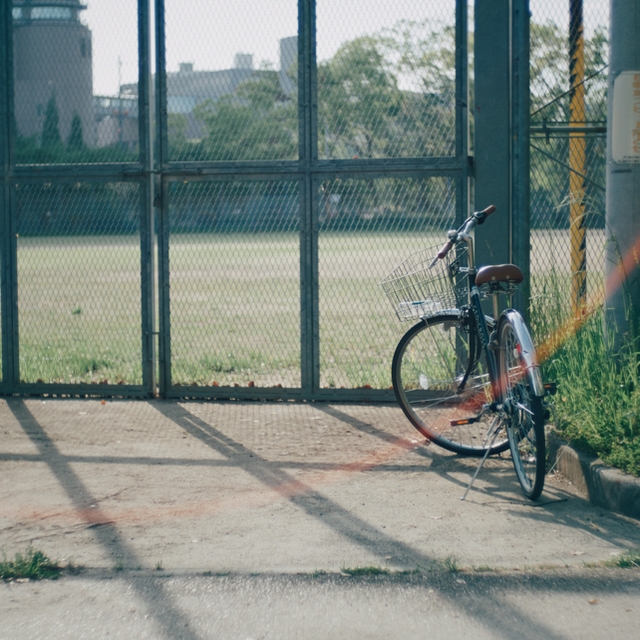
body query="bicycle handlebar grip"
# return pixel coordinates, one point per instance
(489, 210)
(481, 216)
(443, 252)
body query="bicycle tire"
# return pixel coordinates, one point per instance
(429, 363)
(524, 412)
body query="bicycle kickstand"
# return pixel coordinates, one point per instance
(493, 433)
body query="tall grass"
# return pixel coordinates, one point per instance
(598, 400)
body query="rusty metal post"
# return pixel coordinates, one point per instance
(577, 149)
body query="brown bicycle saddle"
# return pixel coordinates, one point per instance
(499, 273)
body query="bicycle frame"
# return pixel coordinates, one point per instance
(488, 342)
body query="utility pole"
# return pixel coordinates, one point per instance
(622, 254)
(577, 150)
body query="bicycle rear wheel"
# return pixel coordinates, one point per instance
(524, 413)
(429, 367)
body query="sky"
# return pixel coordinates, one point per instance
(208, 33)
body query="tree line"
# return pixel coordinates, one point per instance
(386, 95)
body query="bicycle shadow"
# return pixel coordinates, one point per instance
(497, 487)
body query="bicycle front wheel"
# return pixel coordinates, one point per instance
(524, 413)
(441, 382)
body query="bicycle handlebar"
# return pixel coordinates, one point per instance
(477, 218)
(443, 252)
(481, 216)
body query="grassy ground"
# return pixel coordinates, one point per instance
(32, 565)
(79, 309)
(598, 402)
(235, 306)
(235, 309)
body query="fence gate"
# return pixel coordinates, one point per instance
(77, 239)
(305, 166)
(211, 217)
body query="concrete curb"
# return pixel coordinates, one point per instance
(603, 486)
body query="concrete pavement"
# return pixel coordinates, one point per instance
(136, 490)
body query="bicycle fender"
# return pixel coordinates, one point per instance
(528, 354)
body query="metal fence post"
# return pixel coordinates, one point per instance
(307, 127)
(492, 119)
(462, 109)
(9, 299)
(160, 202)
(521, 231)
(147, 249)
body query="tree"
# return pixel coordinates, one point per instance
(51, 128)
(423, 54)
(549, 91)
(76, 139)
(256, 122)
(358, 98)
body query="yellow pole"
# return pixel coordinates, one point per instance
(577, 148)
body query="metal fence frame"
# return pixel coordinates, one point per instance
(141, 173)
(154, 172)
(309, 171)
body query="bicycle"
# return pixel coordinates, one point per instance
(468, 381)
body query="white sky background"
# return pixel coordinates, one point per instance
(209, 33)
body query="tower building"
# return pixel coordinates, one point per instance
(52, 59)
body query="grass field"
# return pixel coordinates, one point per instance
(79, 309)
(235, 306)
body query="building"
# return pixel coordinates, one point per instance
(116, 121)
(52, 59)
(187, 88)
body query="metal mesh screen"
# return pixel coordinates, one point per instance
(236, 100)
(367, 228)
(568, 149)
(235, 283)
(75, 71)
(79, 283)
(386, 79)
(267, 254)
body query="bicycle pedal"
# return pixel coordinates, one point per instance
(551, 388)
(457, 423)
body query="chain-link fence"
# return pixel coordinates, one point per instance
(568, 53)
(79, 272)
(215, 211)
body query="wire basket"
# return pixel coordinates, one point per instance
(417, 290)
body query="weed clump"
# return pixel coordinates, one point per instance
(33, 565)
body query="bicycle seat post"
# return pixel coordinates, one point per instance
(496, 313)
